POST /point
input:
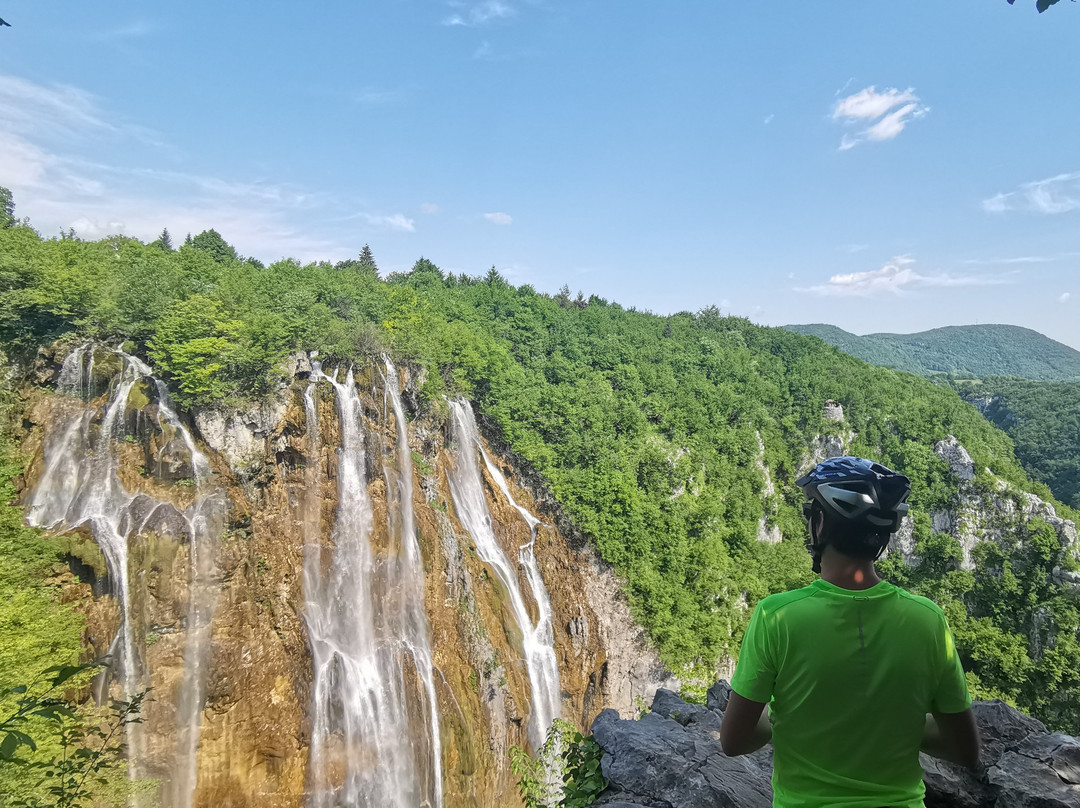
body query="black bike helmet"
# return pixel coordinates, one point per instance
(865, 501)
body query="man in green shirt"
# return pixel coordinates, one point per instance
(851, 665)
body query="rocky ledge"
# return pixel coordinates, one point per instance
(671, 758)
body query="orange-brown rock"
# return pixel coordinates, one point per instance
(255, 726)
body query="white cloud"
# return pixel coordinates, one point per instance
(50, 137)
(769, 118)
(1025, 259)
(27, 108)
(475, 14)
(869, 103)
(891, 111)
(396, 221)
(499, 218)
(429, 208)
(1065, 297)
(897, 277)
(1059, 194)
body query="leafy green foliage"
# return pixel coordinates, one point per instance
(90, 747)
(565, 771)
(1042, 418)
(583, 780)
(211, 243)
(655, 434)
(40, 727)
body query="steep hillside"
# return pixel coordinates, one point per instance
(978, 350)
(668, 444)
(1042, 418)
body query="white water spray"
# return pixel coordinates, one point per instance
(80, 485)
(415, 630)
(364, 750)
(467, 490)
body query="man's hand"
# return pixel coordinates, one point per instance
(745, 728)
(953, 737)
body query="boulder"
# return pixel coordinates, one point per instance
(671, 758)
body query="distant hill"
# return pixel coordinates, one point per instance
(978, 350)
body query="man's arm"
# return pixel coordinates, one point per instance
(745, 727)
(953, 737)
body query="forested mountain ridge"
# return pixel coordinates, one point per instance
(671, 442)
(978, 350)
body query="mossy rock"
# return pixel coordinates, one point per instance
(139, 396)
(107, 364)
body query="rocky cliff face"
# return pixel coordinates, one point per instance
(994, 511)
(216, 562)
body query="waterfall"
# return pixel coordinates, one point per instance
(81, 485)
(415, 631)
(364, 750)
(467, 490)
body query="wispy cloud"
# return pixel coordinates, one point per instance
(471, 15)
(1059, 194)
(137, 29)
(429, 208)
(499, 218)
(769, 118)
(1064, 297)
(374, 95)
(27, 108)
(395, 221)
(1023, 259)
(890, 111)
(50, 136)
(897, 277)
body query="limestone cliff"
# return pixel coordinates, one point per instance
(214, 562)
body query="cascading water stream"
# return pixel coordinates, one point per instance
(81, 485)
(414, 627)
(467, 490)
(363, 746)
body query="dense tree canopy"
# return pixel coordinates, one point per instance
(656, 434)
(1042, 418)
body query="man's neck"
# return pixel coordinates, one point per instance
(847, 572)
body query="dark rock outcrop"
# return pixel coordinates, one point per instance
(671, 758)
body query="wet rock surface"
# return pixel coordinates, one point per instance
(672, 758)
(256, 728)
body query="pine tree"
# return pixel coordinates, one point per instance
(164, 241)
(493, 278)
(563, 298)
(364, 264)
(367, 260)
(7, 209)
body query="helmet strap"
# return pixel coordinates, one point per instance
(816, 546)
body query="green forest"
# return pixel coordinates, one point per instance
(651, 431)
(972, 350)
(1042, 418)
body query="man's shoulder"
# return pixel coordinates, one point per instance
(773, 603)
(918, 602)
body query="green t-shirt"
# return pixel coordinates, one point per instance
(849, 677)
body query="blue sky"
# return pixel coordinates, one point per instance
(879, 166)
